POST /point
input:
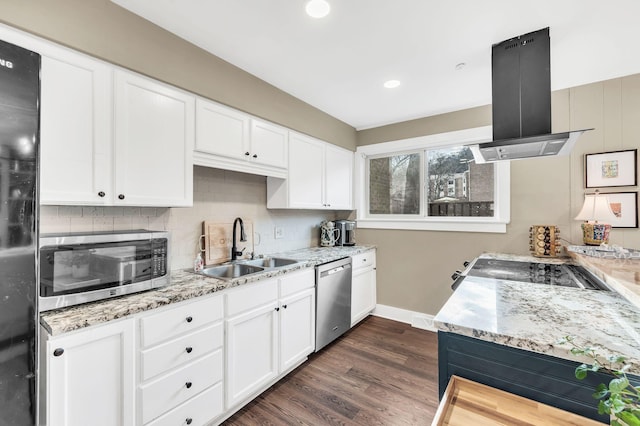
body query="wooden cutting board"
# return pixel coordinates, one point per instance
(218, 240)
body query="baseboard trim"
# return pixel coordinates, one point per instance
(416, 319)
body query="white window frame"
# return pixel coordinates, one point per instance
(502, 181)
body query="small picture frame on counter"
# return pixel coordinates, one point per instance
(625, 207)
(608, 169)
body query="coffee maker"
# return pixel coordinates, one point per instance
(347, 232)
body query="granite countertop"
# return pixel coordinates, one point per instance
(535, 316)
(184, 285)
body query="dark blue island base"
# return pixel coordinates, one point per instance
(531, 375)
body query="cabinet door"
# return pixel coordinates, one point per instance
(338, 178)
(297, 328)
(268, 144)
(363, 294)
(154, 138)
(252, 352)
(221, 130)
(92, 381)
(306, 172)
(76, 130)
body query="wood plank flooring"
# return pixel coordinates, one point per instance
(381, 372)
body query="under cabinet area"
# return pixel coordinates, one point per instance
(232, 140)
(319, 177)
(88, 376)
(363, 285)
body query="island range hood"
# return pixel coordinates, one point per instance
(521, 103)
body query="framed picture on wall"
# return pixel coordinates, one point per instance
(616, 168)
(625, 206)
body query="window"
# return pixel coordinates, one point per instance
(432, 182)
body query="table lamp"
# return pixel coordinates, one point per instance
(596, 209)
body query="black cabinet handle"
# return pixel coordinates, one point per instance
(189, 349)
(247, 153)
(188, 385)
(189, 319)
(121, 197)
(284, 306)
(101, 194)
(255, 155)
(277, 309)
(58, 352)
(189, 420)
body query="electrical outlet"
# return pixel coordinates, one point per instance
(278, 232)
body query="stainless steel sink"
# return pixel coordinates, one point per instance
(271, 262)
(233, 270)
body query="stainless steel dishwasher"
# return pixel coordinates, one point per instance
(333, 301)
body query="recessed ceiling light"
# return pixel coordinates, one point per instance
(318, 8)
(391, 84)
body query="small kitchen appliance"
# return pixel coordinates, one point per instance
(347, 232)
(329, 234)
(83, 267)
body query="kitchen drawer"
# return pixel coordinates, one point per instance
(250, 296)
(181, 319)
(179, 351)
(173, 389)
(200, 409)
(364, 260)
(294, 282)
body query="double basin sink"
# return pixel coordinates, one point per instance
(237, 269)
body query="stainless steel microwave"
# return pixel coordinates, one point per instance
(84, 267)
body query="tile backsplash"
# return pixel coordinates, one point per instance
(220, 196)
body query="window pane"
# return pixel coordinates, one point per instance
(457, 185)
(394, 184)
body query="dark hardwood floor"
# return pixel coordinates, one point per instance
(381, 372)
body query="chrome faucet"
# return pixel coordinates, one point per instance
(243, 237)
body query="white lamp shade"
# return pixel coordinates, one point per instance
(596, 208)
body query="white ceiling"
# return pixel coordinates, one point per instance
(339, 63)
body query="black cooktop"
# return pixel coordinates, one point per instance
(565, 275)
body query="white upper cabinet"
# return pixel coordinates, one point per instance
(319, 177)
(232, 140)
(75, 134)
(154, 135)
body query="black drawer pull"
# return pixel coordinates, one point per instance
(101, 194)
(189, 420)
(121, 197)
(58, 352)
(188, 385)
(189, 319)
(277, 309)
(189, 349)
(284, 306)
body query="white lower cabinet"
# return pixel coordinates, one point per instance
(270, 329)
(181, 358)
(363, 285)
(90, 377)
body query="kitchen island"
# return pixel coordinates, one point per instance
(505, 333)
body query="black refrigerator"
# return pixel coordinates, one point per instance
(19, 153)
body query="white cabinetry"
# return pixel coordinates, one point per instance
(90, 376)
(363, 285)
(76, 129)
(270, 330)
(182, 364)
(232, 140)
(319, 177)
(154, 134)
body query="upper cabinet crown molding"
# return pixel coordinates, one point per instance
(232, 140)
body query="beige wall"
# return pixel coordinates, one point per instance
(414, 267)
(104, 30)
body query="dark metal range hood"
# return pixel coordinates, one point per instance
(521, 102)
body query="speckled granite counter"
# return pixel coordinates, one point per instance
(184, 285)
(534, 316)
